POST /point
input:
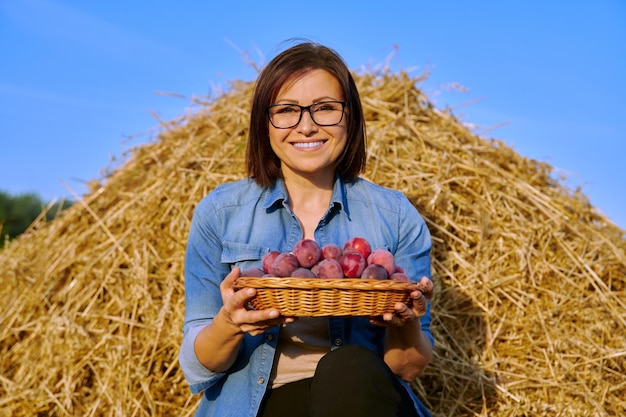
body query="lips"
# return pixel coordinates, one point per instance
(306, 145)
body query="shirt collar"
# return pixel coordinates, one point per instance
(339, 198)
(277, 193)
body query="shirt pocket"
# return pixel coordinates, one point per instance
(242, 255)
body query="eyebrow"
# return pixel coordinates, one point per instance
(317, 100)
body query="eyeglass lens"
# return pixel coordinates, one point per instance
(326, 113)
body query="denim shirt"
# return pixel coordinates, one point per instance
(238, 223)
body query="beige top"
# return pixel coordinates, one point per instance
(301, 345)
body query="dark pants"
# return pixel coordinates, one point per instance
(351, 381)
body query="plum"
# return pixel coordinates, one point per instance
(331, 251)
(400, 269)
(352, 263)
(303, 273)
(329, 268)
(252, 271)
(374, 271)
(307, 252)
(358, 244)
(400, 277)
(268, 260)
(284, 265)
(383, 257)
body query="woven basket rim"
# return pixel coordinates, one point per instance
(324, 283)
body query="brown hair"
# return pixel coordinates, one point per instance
(261, 162)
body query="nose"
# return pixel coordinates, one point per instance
(307, 125)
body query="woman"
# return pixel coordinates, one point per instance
(305, 152)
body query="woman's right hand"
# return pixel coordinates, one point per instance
(217, 344)
(253, 322)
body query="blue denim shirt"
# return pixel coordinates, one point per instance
(238, 223)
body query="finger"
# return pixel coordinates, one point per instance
(426, 287)
(378, 321)
(249, 320)
(394, 318)
(419, 305)
(261, 316)
(404, 313)
(259, 321)
(229, 281)
(403, 310)
(240, 298)
(257, 329)
(388, 317)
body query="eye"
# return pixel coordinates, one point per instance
(286, 109)
(328, 106)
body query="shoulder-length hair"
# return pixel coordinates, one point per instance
(262, 164)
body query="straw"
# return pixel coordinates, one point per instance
(529, 317)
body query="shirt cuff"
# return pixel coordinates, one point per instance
(197, 375)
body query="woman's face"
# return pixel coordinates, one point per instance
(308, 149)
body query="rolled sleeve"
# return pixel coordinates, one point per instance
(197, 375)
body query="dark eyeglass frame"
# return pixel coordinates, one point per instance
(344, 104)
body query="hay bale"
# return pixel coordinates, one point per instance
(529, 315)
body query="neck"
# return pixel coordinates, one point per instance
(309, 194)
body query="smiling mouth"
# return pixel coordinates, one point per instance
(305, 145)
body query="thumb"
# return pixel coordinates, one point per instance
(229, 280)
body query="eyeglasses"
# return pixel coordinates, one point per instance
(324, 113)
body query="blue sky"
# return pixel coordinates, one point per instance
(80, 81)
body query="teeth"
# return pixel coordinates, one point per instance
(308, 144)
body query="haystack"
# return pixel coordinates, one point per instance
(529, 314)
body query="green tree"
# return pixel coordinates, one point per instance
(18, 212)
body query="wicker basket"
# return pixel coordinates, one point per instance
(316, 297)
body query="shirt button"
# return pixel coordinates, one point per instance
(270, 337)
(261, 380)
(338, 342)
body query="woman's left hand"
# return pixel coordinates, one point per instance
(404, 313)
